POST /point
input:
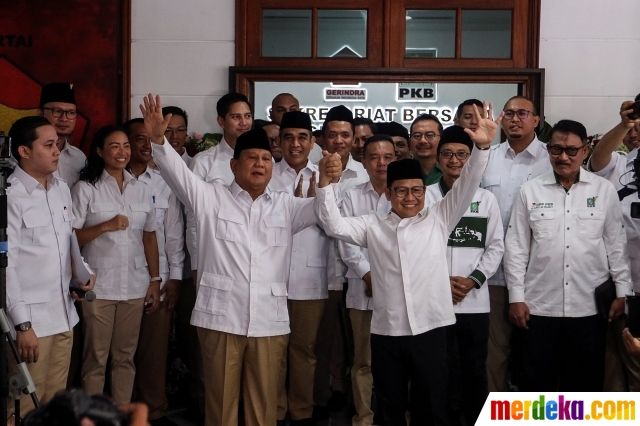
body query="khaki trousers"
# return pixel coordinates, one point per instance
(228, 360)
(500, 331)
(621, 371)
(111, 327)
(361, 378)
(305, 316)
(151, 362)
(49, 374)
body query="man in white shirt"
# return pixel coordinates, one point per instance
(474, 252)
(565, 238)
(307, 284)
(246, 232)
(151, 355)
(39, 218)
(411, 297)
(178, 130)
(622, 371)
(338, 131)
(520, 159)
(378, 152)
(364, 128)
(58, 105)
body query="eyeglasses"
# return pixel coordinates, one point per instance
(402, 191)
(273, 141)
(521, 113)
(460, 155)
(180, 131)
(429, 136)
(57, 113)
(558, 150)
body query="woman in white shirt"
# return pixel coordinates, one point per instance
(115, 224)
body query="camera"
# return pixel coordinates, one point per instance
(70, 407)
(5, 146)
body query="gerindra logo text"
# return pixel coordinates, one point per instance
(563, 407)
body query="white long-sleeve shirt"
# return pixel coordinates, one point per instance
(359, 201)
(308, 272)
(39, 270)
(117, 257)
(169, 226)
(410, 278)
(504, 175)
(245, 249)
(354, 174)
(562, 244)
(475, 246)
(211, 165)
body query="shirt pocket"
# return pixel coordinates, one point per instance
(591, 223)
(101, 212)
(36, 231)
(141, 268)
(279, 311)
(139, 213)
(104, 269)
(276, 228)
(542, 224)
(229, 226)
(161, 207)
(488, 181)
(37, 300)
(214, 293)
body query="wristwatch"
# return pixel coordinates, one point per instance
(25, 326)
(154, 279)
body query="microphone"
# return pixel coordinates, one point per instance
(89, 296)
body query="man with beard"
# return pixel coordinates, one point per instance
(520, 159)
(58, 105)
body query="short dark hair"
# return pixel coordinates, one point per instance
(224, 103)
(128, 124)
(637, 97)
(364, 121)
(535, 109)
(570, 126)
(24, 132)
(377, 138)
(261, 124)
(174, 110)
(426, 117)
(94, 166)
(468, 102)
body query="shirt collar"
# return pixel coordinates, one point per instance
(353, 165)
(29, 182)
(534, 149)
(235, 190)
(283, 166)
(632, 155)
(224, 146)
(443, 186)
(128, 177)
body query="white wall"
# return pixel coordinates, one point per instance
(183, 51)
(591, 52)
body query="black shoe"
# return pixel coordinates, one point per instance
(303, 422)
(321, 412)
(163, 421)
(338, 401)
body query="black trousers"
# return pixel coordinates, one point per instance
(563, 354)
(421, 359)
(468, 341)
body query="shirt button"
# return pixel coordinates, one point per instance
(566, 283)
(567, 211)
(567, 229)
(567, 246)
(567, 266)
(542, 214)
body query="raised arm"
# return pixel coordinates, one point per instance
(601, 156)
(352, 230)
(184, 184)
(453, 206)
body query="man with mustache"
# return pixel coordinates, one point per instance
(564, 239)
(520, 159)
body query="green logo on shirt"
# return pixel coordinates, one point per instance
(591, 202)
(469, 232)
(475, 207)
